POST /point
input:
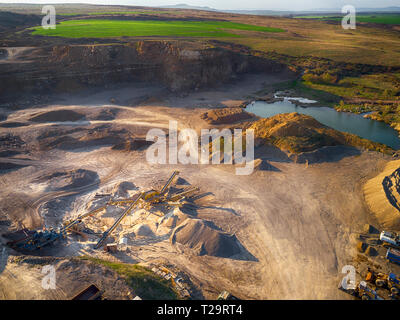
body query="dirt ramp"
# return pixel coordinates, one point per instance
(204, 239)
(383, 197)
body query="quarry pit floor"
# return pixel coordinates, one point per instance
(296, 223)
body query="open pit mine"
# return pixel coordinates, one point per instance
(316, 217)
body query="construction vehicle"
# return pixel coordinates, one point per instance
(35, 240)
(118, 221)
(378, 279)
(365, 293)
(38, 239)
(393, 255)
(32, 240)
(390, 239)
(393, 284)
(151, 196)
(154, 196)
(383, 280)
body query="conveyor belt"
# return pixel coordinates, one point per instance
(123, 215)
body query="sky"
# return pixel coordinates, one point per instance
(237, 4)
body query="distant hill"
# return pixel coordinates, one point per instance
(262, 12)
(186, 6)
(85, 8)
(12, 21)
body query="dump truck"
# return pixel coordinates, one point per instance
(393, 255)
(390, 239)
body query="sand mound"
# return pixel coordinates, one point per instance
(382, 194)
(82, 138)
(121, 189)
(143, 230)
(263, 165)
(298, 133)
(226, 115)
(69, 180)
(205, 239)
(58, 116)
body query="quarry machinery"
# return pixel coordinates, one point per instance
(169, 182)
(183, 194)
(390, 239)
(393, 255)
(365, 293)
(40, 238)
(118, 221)
(32, 240)
(383, 280)
(151, 196)
(154, 196)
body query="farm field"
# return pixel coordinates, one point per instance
(117, 28)
(381, 19)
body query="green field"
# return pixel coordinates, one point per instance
(374, 86)
(381, 19)
(89, 28)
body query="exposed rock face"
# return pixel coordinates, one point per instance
(382, 195)
(179, 66)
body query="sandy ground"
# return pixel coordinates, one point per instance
(26, 280)
(379, 190)
(297, 223)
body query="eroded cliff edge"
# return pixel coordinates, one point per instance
(180, 66)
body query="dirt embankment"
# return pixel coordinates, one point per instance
(382, 195)
(22, 279)
(58, 116)
(226, 116)
(178, 65)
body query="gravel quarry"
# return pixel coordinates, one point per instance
(283, 232)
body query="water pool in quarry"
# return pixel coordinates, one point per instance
(373, 130)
